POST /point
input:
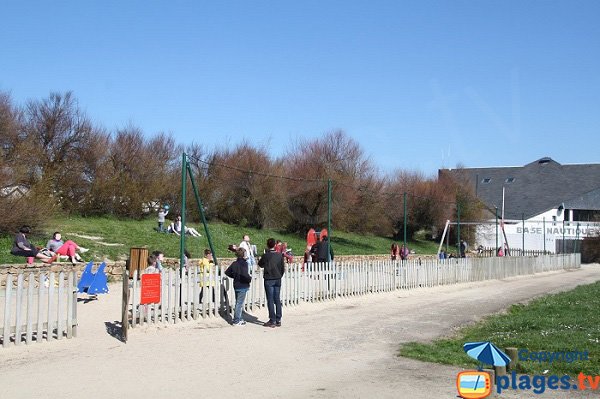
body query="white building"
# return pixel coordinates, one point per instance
(547, 206)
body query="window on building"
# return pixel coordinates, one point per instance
(486, 180)
(509, 180)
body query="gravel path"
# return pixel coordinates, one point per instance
(342, 349)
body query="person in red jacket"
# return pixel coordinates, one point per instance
(394, 251)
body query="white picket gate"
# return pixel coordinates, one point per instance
(316, 282)
(37, 307)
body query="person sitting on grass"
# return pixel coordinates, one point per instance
(175, 227)
(22, 247)
(68, 248)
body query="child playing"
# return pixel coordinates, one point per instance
(162, 213)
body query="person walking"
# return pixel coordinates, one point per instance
(238, 271)
(274, 268)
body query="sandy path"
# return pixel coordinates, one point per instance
(341, 349)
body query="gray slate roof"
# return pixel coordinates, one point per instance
(537, 187)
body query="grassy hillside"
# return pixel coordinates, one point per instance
(109, 238)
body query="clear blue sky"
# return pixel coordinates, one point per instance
(420, 84)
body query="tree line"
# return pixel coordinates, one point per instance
(56, 160)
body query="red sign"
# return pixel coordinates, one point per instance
(150, 288)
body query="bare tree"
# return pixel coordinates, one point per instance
(20, 203)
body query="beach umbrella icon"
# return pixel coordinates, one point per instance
(487, 353)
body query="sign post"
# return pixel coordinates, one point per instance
(150, 288)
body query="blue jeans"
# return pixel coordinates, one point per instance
(240, 296)
(273, 291)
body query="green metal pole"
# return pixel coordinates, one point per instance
(405, 220)
(329, 220)
(544, 228)
(496, 247)
(202, 216)
(523, 247)
(458, 228)
(183, 195)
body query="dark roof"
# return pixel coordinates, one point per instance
(536, 187)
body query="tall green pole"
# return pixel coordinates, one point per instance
(523, 246)
(458, 228)
(496, 247)
(202, 216)
(405, 220)
(183, 195)
(329, 220)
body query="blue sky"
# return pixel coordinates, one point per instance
(419, 84)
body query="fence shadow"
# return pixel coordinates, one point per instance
(88, 299)
(114, 329)
(251, 319)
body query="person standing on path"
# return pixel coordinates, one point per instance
(245, 244)
(274, 268)
(238, 271)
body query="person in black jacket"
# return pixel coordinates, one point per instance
(274, 268)
(238, 271)
(320, 249)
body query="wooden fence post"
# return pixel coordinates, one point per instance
(125, 306)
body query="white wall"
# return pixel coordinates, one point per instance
(535, 233)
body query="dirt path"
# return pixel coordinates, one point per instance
(342, 349)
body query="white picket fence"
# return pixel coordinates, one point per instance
(316, 282)
(37, 307)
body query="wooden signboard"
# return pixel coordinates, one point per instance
(150, 288)
(138, 260)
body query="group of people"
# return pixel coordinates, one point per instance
(176, 226)
(399, 252)
(241, 270)
(273, 264)
(317, 253)
(55, 247)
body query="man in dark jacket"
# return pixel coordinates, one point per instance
(238, 271)
(274, 268)
(320, 250)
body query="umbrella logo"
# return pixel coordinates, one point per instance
(486, 353)
(476, 384)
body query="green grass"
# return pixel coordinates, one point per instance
(133, 233)
(566, 321)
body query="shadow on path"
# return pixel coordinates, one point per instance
(114, 329)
